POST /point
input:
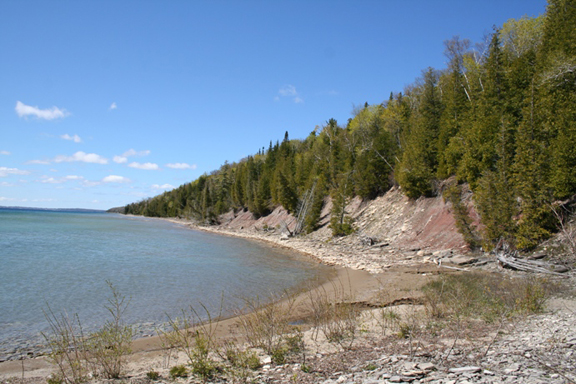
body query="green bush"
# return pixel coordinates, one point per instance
(102, 352)
(153, 375)
(243, 359)
(279, 355)
(54, 379)
(178, 371)
(485, 296)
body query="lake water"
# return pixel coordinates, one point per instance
(63, 260)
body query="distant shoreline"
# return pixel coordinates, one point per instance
(79, 210)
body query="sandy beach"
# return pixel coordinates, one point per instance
(400, 282)
(375, 277)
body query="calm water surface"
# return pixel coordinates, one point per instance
(62, 260)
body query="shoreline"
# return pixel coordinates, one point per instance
(376, 356)
(362, 284)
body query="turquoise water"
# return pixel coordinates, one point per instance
(62, 260)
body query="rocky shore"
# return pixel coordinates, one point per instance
(410, 243)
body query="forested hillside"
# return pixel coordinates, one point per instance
(501, 118)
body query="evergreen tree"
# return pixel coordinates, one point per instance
(416, 171)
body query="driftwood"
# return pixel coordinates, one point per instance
(507, 258)
(526, 265)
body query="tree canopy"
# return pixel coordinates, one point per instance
(501, 117)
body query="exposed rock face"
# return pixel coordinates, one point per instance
(426, 223)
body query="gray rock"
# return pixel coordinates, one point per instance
(426, 366)
(462, 370)
(462, 260)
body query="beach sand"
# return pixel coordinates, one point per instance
(399, 283)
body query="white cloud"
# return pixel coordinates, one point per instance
(6, 199)
(74, 138)
(163, 186)
(132, 152)
(113, 106)
(82, 157)
(5, 153)
(6, 184)
(88, 183)
(43, 162)
(288, 90)
(181, 166)
(115, 179)
(51, 180)
(120, 159)
(4, 172)
(24, 110)
(144, 166)
(291, 92)
(73, 177)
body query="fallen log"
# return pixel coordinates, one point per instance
(526, 265)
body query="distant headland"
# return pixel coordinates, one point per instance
(52, 209)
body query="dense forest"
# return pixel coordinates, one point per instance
(501, 118)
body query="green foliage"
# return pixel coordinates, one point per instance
(340, 222)
(152, 375)
(497, 208)
(501, 118)
(102, 352)
(112, 343)
(246, 359)
(371, 367)
(178, 371)
(484, 296)
(417, 169)
(279, 355)
(54, 379)
(313, 216)
(453, 194)
(68, 350)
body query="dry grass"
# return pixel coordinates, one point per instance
(334, 314)
(102, 353)
(266, 324)
(194, 336)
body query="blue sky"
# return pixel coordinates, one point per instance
(103, 103)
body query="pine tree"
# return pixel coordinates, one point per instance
(416, 171)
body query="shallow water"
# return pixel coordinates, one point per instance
(62, 261)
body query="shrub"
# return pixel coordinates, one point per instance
(67, 348)
(54, 379)
(194, 338)
(484, 296)
(279, 355)
(266, 325)
(109, 345)
(104, 350)
(178, 371)
(153, 375)
(242, 362)
(334, 315)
